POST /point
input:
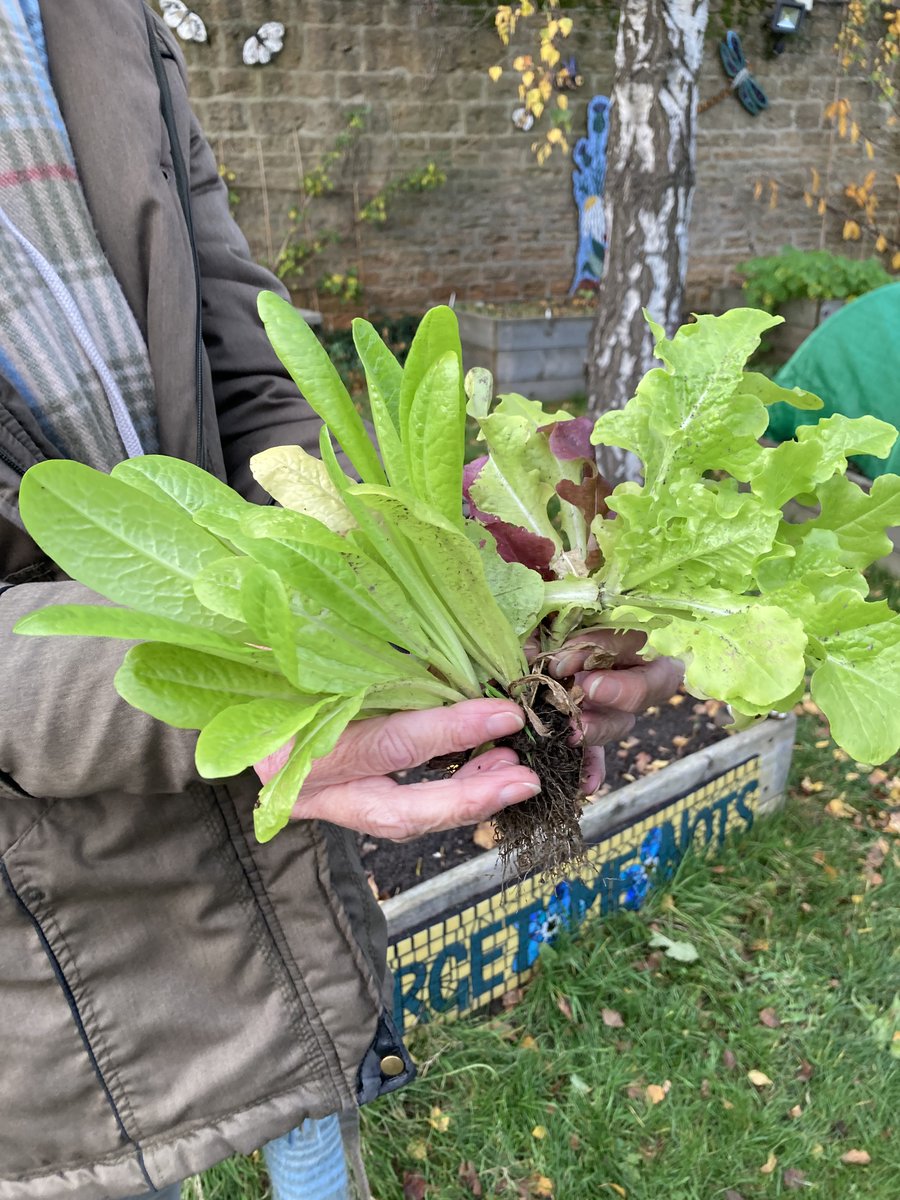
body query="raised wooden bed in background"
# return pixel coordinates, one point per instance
(460, 940)
(543, 358)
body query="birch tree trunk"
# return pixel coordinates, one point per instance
(649, 189)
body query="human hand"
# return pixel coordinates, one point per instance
(351, 785)
(624, 685)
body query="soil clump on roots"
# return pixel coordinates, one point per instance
(542, 834)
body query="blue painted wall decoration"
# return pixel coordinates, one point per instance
(588, 179)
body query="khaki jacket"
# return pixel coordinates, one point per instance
(171, 992)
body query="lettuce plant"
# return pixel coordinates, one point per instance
(374, 590)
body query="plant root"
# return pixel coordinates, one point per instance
(542, 834)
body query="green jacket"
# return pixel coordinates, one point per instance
(170, 991)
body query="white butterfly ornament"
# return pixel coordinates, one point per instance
(187, 24)
(264, 44)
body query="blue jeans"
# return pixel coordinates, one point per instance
(306, 1164)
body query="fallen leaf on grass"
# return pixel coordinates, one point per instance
(656, 1092)
(759, 1079)
(729, 1060)
(579, 1085)
(468, 1177)
(840, 809)
(878, 777)
(856, 1158)
(731, 1194)
(417, 1150)
(635, 1090)
(564, 1007)
(770, 1164)
(439, 1120)
(758, 945)
(528, 1042)
(542, 1186)
(539, 1132)
(769, 1018)
(620, 1191)
(810, 786)
(414, 1186)
(513, 997)
(794, 1178)
(893, 823)
(685, 952)
(796, 1112)
(612, 1019)
(484, 835)
(878, 852)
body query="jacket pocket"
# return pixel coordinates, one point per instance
(47, 1050)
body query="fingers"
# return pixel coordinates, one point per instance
(634, 688)
(625, 648)
(593, 769)
(382, 745)
(599, 726)
(384, 809)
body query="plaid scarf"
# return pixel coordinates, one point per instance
(69, 343)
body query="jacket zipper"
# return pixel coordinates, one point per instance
(183, 187)
(11, 463)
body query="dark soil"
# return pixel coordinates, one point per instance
(543, 833)
(660, 736)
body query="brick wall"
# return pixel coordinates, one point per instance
(501, 227)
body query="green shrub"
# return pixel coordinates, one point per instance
(771, 282)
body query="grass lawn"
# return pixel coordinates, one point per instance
(769, 1065)
(621, 1072)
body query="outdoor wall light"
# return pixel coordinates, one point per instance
(788, 19)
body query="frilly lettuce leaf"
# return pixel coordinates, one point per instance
(748, 654)
(692, 415)
(749, 601)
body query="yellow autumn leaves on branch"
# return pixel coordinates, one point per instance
(542, 74)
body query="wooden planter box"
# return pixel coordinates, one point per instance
(460, 940)
(544, 358)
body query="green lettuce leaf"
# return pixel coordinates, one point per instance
(436, 437)
(796, 468)
(747, 653)
(437, 335)
(131, 548)
(302, 483)
(316, 738)
(693, 415)
(244, 734)
(311, 369)
(187, 688)
(855, 656)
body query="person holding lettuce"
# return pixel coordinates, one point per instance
(172, 992)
